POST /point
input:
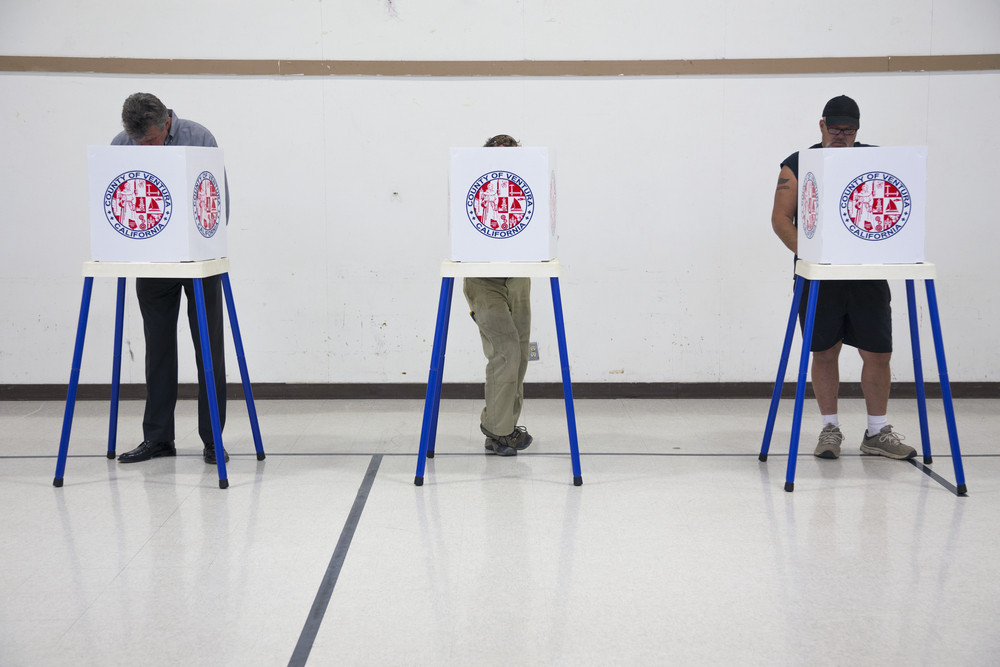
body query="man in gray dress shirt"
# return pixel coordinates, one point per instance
(148, 122)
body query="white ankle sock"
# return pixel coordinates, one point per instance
(830, 419)
(875, 424)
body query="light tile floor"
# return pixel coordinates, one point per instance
(679, 548)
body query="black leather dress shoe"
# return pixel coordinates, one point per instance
(148, 450)
(209, 454)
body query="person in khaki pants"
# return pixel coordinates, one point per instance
(501, 307)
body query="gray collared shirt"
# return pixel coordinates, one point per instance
(182, 133)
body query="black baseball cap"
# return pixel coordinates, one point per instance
(842, 111)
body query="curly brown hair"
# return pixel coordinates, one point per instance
(501, 140)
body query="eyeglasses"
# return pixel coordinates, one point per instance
(847, 132)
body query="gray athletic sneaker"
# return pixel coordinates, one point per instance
(518, 439)
(828, 446)
(499, 448)
(887, 443)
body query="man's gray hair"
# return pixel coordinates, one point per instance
(141, 112)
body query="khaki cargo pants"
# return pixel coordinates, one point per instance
(502, 309)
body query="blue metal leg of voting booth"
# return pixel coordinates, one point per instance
(574, 449)
(209, 374)
(432, 401)
(800, 387)
(918, 372)
(116, 369)
(199, 294)
(782, 367)
(244, 373)
(74, 380)
(949, 410)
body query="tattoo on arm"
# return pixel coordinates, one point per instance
(782, 184)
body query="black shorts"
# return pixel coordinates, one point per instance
(854, 311)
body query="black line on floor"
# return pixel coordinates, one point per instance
(936, 477)
(234, 455)
(322, 601)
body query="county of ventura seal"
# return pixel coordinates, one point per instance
(810, 205)
(499, 204)
(137, 204)
(875, 206)
(205, 201)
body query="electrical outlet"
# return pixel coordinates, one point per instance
(532, 351)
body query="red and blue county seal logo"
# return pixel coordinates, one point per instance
(205, 201)
(499, 204)
(875, 206)
(810, 205)
(137, 204)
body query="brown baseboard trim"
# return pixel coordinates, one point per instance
(473, 390)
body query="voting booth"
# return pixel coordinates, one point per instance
(502, 205)
(158, 212)
(502, 223)
(157, 203)
(862, 205)
(861, 216)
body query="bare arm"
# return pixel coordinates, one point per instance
(783, 213)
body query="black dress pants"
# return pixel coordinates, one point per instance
(159, 303)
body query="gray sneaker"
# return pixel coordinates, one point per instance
(828, 446)
(887, 443)
(499, 448)
(517, 440)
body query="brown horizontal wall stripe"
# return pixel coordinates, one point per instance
(501, 68)
(967, 63)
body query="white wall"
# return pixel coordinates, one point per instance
(339, 185)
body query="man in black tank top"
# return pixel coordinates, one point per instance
(855, 312)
